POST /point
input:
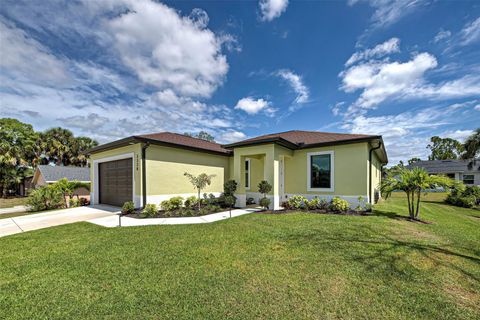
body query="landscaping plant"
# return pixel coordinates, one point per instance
(45, 198)
(412, 182)
(150, 210)
(264, 188)
(297, 202)
(200, 182)
(229, 198)
(339, 205)
(464, 196)
(128, 207)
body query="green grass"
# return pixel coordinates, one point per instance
(12, 202)
(256, 266)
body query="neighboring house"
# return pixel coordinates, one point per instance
(467, 171)
(150, 168)
(46, 174)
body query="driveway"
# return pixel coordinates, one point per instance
(30, 222)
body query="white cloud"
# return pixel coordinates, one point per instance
(441, 35)
(271, 9)
(230, 136)
(407, 134)
(91, 122)
(459, 135)
(26, 59)
(388, 47)
(381, 80)
(169, 51)
(471, 32)
(47, 90)
(388, 12)
(477, 107)
(296, 82)
(253, 106)
(337, 108)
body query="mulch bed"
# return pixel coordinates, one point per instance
(319, 211)
(176, 214)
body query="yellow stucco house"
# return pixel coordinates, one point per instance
(150, 168)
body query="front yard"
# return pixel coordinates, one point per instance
(287, 266)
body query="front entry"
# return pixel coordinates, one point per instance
(115, 183)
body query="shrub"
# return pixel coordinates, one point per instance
(128, 207)
(73, 202)
(172, 204)
(464, 196)
(250, 201)
(191, 202)
(228, 199)
(338, 204)
(150, 210)
(285, 205)
(313, 204)
(265, 203)
(84, 202)
(264, 187)
(297, 202)
(45, 198)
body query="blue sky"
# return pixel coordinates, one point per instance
(108, 69)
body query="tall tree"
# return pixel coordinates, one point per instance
(58, 145)
(17, 149)
(201, 135)
(79, 146)
(472, 145)
(413, 160)
(444, 148)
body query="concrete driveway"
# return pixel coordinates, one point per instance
(36, 221)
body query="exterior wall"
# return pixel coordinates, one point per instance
(166, 167)
(350, 172)
(132, 151)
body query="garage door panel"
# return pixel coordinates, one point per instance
(115, 183)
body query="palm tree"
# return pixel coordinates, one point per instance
(199, 182)
(79, 146)
(472, 145)
(58, 145)
(412, 182)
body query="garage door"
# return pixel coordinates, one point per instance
(115, 183)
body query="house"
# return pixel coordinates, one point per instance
(467, 171)
(46, 174)
(150, 168)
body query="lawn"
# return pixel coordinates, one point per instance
(256, 266)
(12, 202)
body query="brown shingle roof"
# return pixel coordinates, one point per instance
(186, 141)
(305, 138)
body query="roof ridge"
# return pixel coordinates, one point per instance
(178, 134)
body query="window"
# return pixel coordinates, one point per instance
(468, 178)
(320, 171)
(247, 174)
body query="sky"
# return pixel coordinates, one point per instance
(407, 69)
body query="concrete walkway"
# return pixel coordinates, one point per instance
(112, 221)
(13, 209)
(30, 222)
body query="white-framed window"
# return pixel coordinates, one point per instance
(468, 178)
(320, 171)
(247, 174)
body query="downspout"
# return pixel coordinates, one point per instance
(370, 171)
(144, 174)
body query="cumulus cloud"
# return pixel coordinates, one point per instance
(381, 80)
(388, 47)
(477, 107)
(471, 32)
(169, 51)
(253, 106)
(271, 9)
(154, 66)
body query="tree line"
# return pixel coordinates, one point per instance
(22, 149)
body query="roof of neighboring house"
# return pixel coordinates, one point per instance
(55, 173)
(295, 139)
(448, 166)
